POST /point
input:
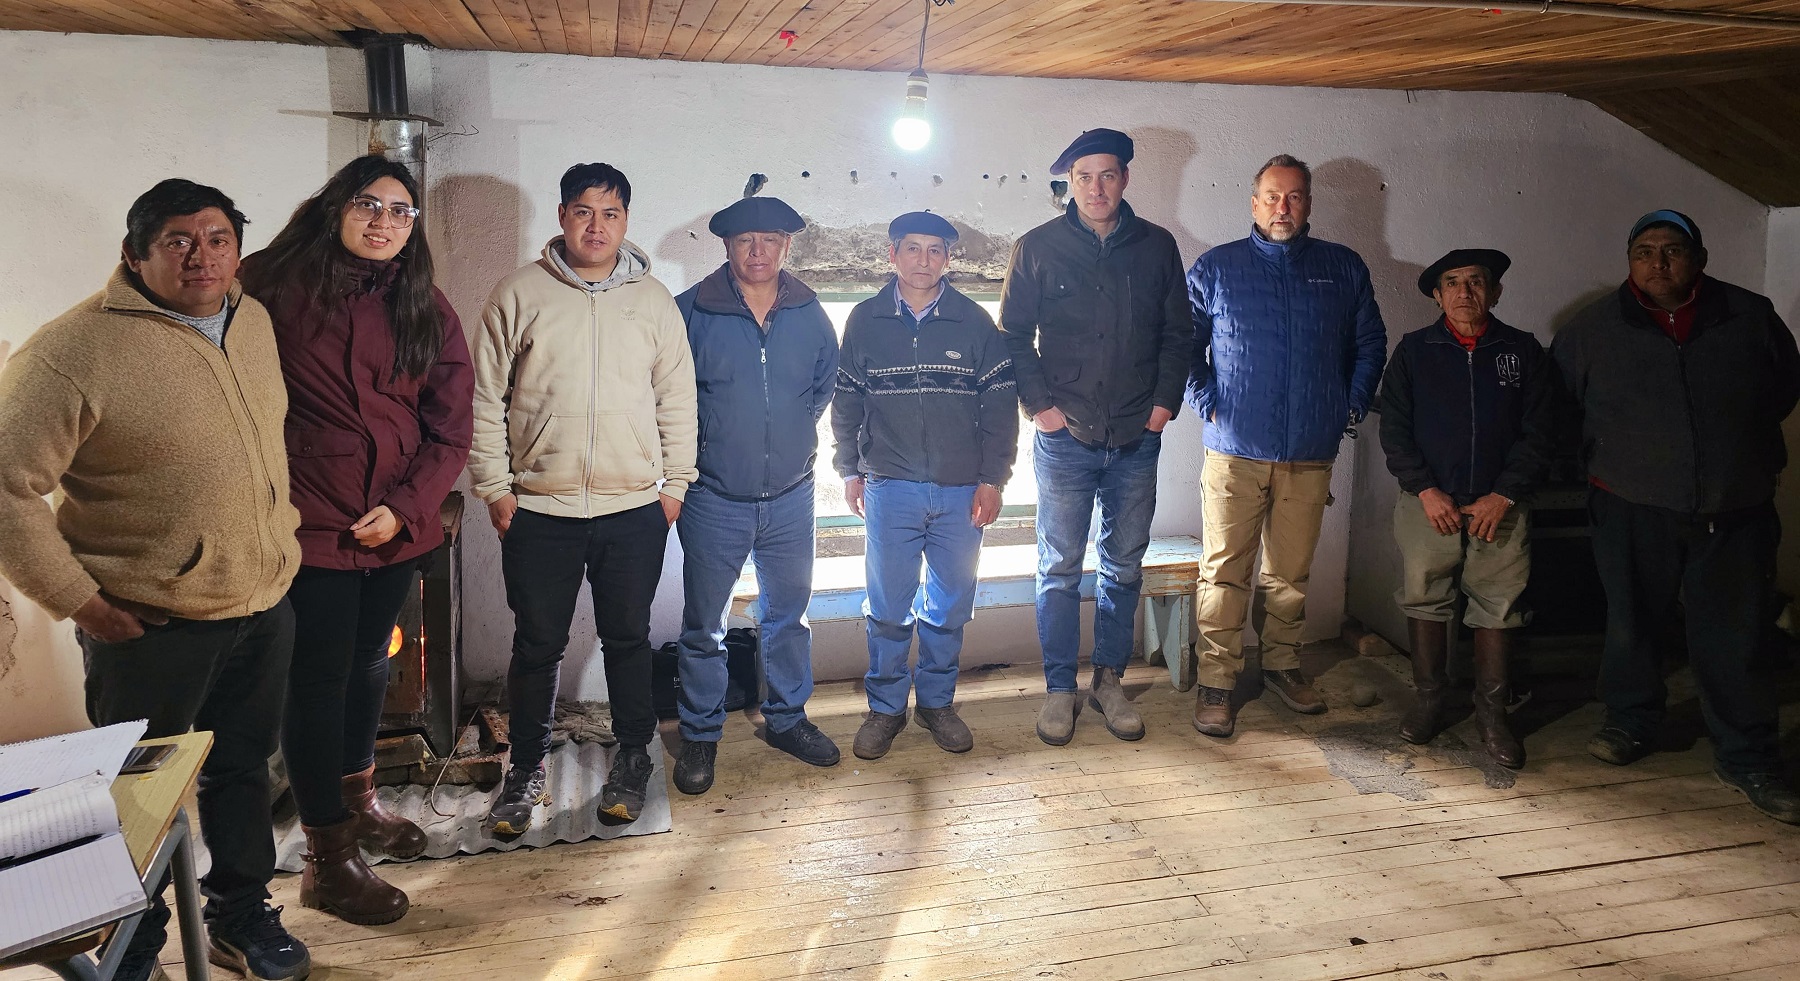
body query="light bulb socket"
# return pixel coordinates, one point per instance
(916, 85)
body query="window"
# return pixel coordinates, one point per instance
(1019, 499)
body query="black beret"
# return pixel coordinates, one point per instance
(1094, 141)
(921, 223)
(756, 215)
(1493, 260)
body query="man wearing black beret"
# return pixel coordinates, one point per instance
(1682, 382)
(927, 425)
(1096, 315)
(1467, 417)
(765, 364)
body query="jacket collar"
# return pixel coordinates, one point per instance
(1709, 305)
(1125, 232)
(632, 258)
(371, 275)
(1497, 332)
(718, 294)
(123, 296)
(1277, 251)
(952, 305)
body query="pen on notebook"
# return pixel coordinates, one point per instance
(17, 793)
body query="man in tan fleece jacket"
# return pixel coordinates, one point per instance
(156, 406)
(585, 440)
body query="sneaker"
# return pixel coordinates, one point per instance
(805, 743)
(1213, 714)
(947, 728)
(1056, 720)
(1767, 793)
(627, 784)
(694, 768)
(253, 943)
(1616, 746)
(877, 734)
(519, 795)
(1292, 687)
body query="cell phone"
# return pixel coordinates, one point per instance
(143, 759)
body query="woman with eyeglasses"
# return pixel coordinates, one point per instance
(378, 425)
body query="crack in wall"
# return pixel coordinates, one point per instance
(857, 256)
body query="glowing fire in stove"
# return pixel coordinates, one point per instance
(397, 642)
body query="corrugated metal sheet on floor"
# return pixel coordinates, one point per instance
(577, 774)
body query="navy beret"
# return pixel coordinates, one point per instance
(1493, 260)
(756, 215)
(921, 223)
(1673, 219)
(1094, 141)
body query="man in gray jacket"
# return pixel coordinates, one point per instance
(927, 426)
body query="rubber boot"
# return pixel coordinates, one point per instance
(337, 881)
(377, 828)
(1430, 647)
(1493, 692)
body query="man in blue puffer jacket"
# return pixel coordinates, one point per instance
(765, 365)
(1288, 348)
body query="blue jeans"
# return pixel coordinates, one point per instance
(906, 520)
(717, 535)
(1071, 478)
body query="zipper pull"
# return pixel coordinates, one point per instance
(765, 355)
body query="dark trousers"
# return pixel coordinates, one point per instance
(543, 560)
(1721, 568)
(343, 623)
(222, 676)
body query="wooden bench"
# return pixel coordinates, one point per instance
(1007, 577)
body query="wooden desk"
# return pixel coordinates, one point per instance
(156, 829)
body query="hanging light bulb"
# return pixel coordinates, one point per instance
(912, 131)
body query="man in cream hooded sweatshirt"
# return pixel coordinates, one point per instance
(584, 446)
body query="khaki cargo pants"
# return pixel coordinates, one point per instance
(1492, 574)
(1249, 503)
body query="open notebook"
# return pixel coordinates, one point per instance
(64, 867)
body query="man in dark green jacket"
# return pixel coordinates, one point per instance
(1682, 382)
(927, 426)
(1095, 311)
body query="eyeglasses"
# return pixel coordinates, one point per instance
(1649, 253)
(369, 209)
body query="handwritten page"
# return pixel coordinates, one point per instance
(81, 808)
(54, 760)
(67, 893)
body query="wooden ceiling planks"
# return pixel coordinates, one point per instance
(1720, 96)
(1734, 130)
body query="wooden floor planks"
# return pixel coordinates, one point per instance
(1175, 857)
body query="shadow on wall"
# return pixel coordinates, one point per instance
(690, 248)
(1350, 206)
(1156, 190)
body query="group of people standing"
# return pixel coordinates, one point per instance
(252, 456)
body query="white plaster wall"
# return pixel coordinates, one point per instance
(1400, 177)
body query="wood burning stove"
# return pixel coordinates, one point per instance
(425, 676)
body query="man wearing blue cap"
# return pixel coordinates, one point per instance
(927, 426)
(1288, 348)
(765, 363)
(1096, 317)
(1467, 420)
(1682, 382)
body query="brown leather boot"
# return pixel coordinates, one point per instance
(377, 828)
(337, 881)
(1430, 644)
(1493, 651)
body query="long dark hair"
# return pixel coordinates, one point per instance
(307, 265)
